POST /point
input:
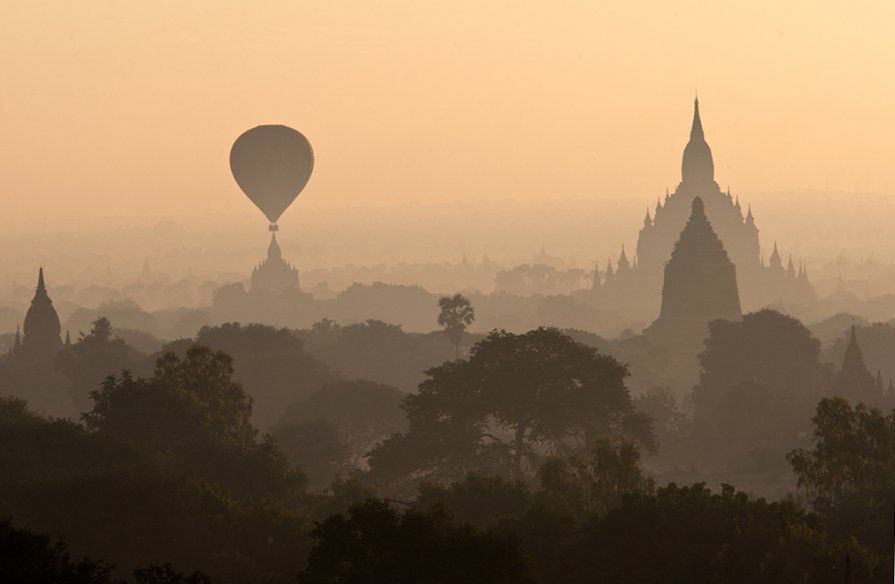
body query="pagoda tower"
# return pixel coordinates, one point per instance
(855, 380)
(700, 280)
(42, 328)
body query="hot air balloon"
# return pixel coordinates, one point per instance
(272, 164)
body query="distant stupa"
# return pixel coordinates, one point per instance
(275, 274)
(42, 328)
(700, 284)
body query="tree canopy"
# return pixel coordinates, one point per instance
(514, 400)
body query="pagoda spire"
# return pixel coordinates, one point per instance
(855, 380)
(775, 261)
(696, 128)
(697, 165)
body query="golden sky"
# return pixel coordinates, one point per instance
(118, 107)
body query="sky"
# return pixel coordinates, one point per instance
(128, 108)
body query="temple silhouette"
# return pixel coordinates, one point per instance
(855, 381)
(700, 285)
(42, 340)
(633, 285)
(274, 274)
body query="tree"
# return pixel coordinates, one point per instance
(378, 351)
(363, 413)
(849, 473)
(456, 314)
(193, 415)
(375, 543)
(479, 500)
(583, 487)
(690, 534)
(96, 355)
(765, 347)
(166, 574)
(514, 399)
(30, 557)
(271, 364)
(316, 447)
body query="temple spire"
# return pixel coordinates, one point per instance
(41, 289)
(696, 130)
(697, 165)
(610, 273)
(855, 380)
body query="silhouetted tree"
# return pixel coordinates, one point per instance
(848, 475)
(166, 574)
(316, 447)
(30, 558)
(456, 313)
(96, 355)
(378, 351)
(760, 380)
(375, 543)
(515, 398)
(689, 534)
(479, 500)
(271, 364)
(583, 486)
(193, 414)
(765, 347)
(363, 413)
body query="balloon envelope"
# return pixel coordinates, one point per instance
(271, 164)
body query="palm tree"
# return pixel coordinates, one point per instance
(456, 314)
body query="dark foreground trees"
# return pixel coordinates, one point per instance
(516, 399)
(375, 543)
(168, 469)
